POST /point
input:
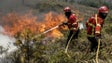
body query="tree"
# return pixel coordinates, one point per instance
(29, 47)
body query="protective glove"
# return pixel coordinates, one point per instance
(97, 35)
(74, 29)
(65, 23)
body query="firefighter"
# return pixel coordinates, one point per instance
(94, 26)
(72, 24)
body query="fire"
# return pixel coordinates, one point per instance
(14, 23)
(55, 34)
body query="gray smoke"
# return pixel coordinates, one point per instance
(7, 6)
(7, 43)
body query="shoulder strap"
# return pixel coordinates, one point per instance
(96, 19)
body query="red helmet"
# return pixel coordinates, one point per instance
(103, 9)
(67, 9)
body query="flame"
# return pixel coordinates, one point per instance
(55, 34)
(14, 23)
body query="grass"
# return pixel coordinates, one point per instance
(53, 51)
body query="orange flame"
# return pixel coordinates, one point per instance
(15, 23)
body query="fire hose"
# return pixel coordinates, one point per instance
(97, 51)
(98, 42)
(68, 45)
(48, 30)
(53, 29)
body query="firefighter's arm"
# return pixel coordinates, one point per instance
(75, 25)
(90, 20)
(63, 23)
(98, 30)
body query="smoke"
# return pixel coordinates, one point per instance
(1, 29)
(6, 42)
(16, 5)
(81, 26)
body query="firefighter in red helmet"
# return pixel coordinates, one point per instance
(72, 24)
(94, 26)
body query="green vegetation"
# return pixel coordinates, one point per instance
(37, 50)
